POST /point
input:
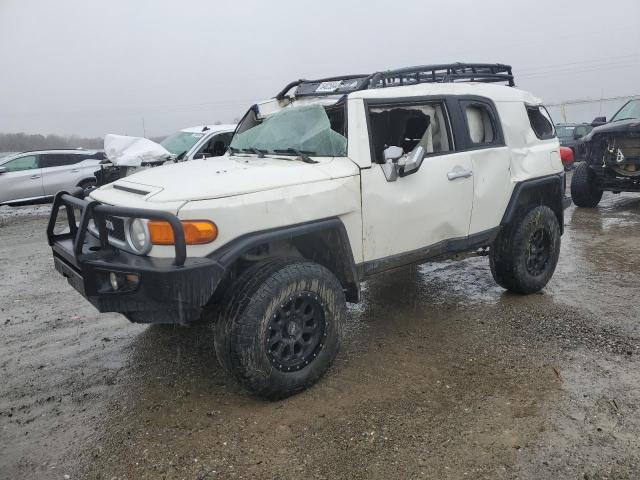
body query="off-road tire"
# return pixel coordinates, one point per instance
(584, 192)
(244, 327)
(511, 252)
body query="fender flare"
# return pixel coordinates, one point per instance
(344, 269)
(548, 190)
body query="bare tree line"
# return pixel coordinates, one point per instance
(20, 142)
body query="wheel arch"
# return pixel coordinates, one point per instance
(325, 242)
(91, 178)
(547, 191)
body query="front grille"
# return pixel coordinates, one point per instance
(115, 228)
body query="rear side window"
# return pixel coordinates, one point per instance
(59, 159)
(541, 122)
(481, 125)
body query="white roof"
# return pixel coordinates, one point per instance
(211, 128)
(500, 93)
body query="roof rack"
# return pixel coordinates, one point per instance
(442, 73)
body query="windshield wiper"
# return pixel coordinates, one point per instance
(303, 154)
(257, 151)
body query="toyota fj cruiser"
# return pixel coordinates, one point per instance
(326, 184)
(612, 158)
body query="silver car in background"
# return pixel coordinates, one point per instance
(35, 177)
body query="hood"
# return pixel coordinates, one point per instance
(632, 125)
(226, 176)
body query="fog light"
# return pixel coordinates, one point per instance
(116, 280)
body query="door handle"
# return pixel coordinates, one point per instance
(33, 177)
(452, 175)
(75, 170)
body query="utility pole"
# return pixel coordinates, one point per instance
(144, 130)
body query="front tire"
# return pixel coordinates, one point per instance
(584, 191)
(525, 254)
(88, 185)
(280, 327)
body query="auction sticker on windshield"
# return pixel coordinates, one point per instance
(329, 86)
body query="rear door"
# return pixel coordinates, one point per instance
(62, 171)
(21, 180)
(483, 140)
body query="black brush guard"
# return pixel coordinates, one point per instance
(168, 288)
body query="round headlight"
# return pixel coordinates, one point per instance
(139, 236)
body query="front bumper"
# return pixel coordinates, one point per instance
(166, 288)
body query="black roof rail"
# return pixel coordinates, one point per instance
(440, 73)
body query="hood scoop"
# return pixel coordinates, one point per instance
(135, 191)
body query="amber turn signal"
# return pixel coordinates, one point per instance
(196, 232)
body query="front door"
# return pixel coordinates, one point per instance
(424, 208)
(21, 180)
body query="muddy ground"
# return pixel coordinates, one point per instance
(442, 375)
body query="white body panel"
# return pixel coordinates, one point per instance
(280, 207)
(235, 175)
(492, 187)
(417, 210)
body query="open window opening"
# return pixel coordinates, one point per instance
(541, 122)
(407, 126)
(216, 146)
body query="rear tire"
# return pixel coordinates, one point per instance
(584, 191)
(280, 326)
(525, 254)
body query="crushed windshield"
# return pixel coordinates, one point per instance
(311, 130)
(181, 142)
(629, 111)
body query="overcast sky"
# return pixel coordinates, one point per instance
(92, 67)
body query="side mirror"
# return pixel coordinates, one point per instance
(599, 121)
(3, 170)
(392, 153)
(390, 166)
(413, 160)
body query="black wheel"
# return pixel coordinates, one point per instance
(87, 185)
(280, 326)
(524, 256)
(584, 191)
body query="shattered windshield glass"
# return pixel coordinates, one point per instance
(181, 142)
(630, 110)
(308, 129)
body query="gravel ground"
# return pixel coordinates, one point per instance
(443, 375)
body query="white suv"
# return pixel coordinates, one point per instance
(187, 144)
(326, 184)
